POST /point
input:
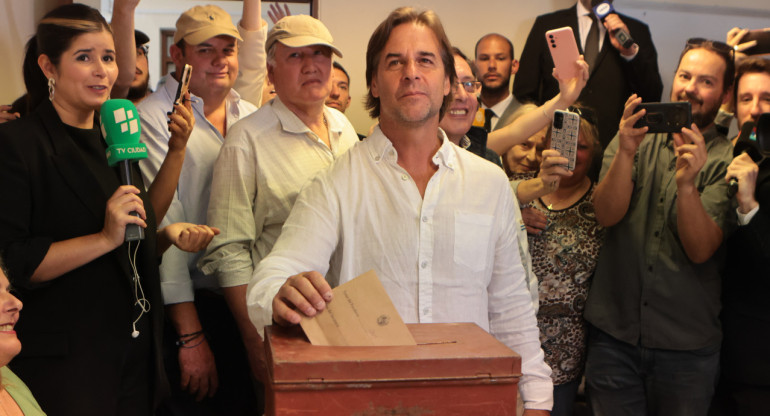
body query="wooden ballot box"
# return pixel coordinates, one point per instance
(456, 369)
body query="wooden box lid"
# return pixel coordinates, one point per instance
(445, 351)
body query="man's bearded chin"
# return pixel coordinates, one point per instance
(496, 90)
(705, 116)
(135, 93)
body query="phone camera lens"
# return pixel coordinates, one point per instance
(558, 120)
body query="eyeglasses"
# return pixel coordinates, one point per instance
(712, 45)
(471, 87)
(585, 113)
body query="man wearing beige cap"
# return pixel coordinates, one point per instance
(206, 361)
(271, 154)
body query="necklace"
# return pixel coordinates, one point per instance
(579, 190)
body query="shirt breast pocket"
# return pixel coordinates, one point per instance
(472, 234)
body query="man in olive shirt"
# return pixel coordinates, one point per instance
(655, 300)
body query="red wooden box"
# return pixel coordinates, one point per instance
(456, 369)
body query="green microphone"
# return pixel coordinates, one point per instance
(121, 131)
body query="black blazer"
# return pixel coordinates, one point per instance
(76, 329)
(611, 82)
(746, 283)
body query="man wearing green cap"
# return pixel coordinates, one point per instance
(271, 154)
(206, 360)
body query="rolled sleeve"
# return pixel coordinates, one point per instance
(308, 239)
(231, 209)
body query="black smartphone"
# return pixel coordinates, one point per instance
(762, 36)
(184, 84)
(665, 117)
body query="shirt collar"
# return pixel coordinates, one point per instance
(292, 124)
(170, 85)
(500, 107)
(581, 10)
(381, 148)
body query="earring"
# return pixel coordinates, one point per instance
(51, 88)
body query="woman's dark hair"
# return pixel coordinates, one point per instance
(55, 34)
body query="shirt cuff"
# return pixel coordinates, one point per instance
(633, 55)
(537, 395)
(744, 219)
(230, 264)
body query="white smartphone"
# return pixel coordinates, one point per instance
(564, 51)
(564, 135)
(184, 84)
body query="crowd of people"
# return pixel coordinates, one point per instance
(634, 271)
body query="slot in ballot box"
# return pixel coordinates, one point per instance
(455, 369)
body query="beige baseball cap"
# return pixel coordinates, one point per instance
(300, 30)
(204, 22)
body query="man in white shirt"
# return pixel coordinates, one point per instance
(434, 221)
(206, 39)
(269, 155)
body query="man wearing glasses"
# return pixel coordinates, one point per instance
(654, 303)
(458, 119)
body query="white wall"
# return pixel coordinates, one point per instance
(465, 22)
(17, 25)
(352, 22)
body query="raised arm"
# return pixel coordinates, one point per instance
(125, 45)
(163, 186)
(613, 194)
(530, 123)
(699, 233)
(640, 61)
(67, 255)
(551, 171)
(251, 53)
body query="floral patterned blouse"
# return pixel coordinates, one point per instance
(564, 258)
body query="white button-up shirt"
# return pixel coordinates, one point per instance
(265, 161)
(178, 271)
(450, 256)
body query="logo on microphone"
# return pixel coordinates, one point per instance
(603, 9)
(127, 120)
(122, 131)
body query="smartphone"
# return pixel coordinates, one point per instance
(564, 51)
(762, 36)
(665, 117)
(184, 84)
(564, 135)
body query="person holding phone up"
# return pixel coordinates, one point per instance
(653, 306)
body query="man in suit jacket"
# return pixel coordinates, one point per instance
(495, 65)
(745, 317)
(616, 73)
